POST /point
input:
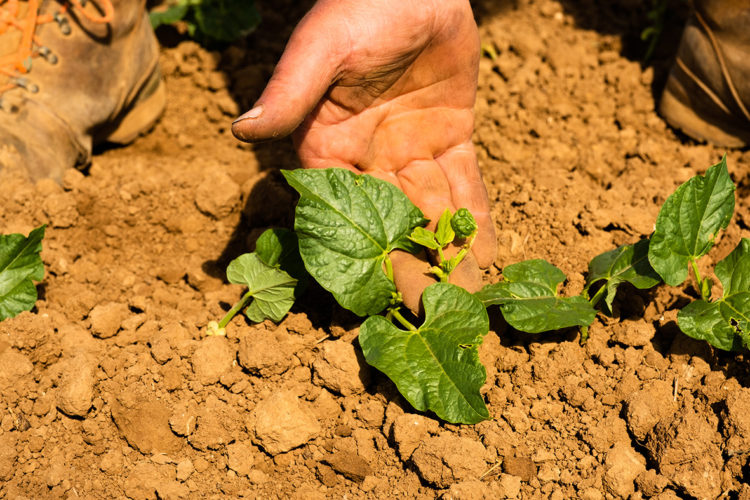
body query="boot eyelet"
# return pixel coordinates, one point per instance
(47, 54)
(24, 83)
(63, 23)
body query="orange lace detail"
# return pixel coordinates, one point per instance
(18, 63)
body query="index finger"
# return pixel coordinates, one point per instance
(467, 190)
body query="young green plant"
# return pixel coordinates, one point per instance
(686, 229)
(460, 225)
(347, 226)
(274, 277)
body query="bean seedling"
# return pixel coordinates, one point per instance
(685, 230)
(346, 226)
(460, 225)
(273, 275)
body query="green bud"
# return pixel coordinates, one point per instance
(463, 223)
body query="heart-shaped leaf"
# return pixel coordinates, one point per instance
(225, 20)
(347, 224)
(689, 222)
(436, 366)
(528, 298)
(271, 288)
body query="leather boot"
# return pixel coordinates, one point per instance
(707, 94)
(74, 74)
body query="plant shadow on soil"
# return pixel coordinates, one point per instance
(247, 65)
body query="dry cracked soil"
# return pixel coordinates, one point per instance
(109, 389)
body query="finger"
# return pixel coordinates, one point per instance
(411, 273)
(467, 274)
(307, 68)
(460, 168)
(327, 163)
(424, 182)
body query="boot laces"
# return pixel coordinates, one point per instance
(18, 63)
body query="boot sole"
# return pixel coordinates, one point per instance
(682, 117)
(144, 113)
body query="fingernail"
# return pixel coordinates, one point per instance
(253, 113)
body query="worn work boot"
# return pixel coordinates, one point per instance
(707, 94)
(74, 74)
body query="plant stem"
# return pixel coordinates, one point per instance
(440, 273)
(404, 322)
(698, 277)
(235, 309)
(441, 254)
(470, 240)
(460, 255)
(389, 268)
(598, 296)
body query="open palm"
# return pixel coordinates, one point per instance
(386, 87)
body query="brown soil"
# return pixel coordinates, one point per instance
(109, 388)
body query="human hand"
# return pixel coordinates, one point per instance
(387, 88)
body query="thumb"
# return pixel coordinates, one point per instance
(307, 68)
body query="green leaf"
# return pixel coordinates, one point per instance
(408, 245)
(626, 263)
(169, 16)
(463, 223)
(528, 299)
(225, 20)
(689, 221)
(425, 238)
(435, 367)
(725, 323)
(274, 243)
(347, 225)
(278, 247)
(271, 288)
(20, 266)
(734, 270)
(444, 233)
